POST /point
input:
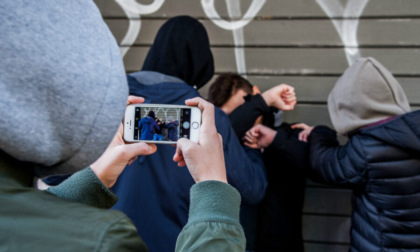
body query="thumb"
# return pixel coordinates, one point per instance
(179, 156)
(137, 149)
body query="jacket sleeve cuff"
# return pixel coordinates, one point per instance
(214, 200)
(85, 187)
(259, 102)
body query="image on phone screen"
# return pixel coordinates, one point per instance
(161, 124)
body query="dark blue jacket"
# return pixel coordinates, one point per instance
(382, 165)
(172, 130)
(147, 126)
(154, 191)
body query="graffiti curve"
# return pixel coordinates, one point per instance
(236, 26)
(133, 10)
(347, 29)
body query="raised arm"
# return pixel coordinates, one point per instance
(213, 221)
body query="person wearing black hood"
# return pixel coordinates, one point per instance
(147, 126)
(178, 63)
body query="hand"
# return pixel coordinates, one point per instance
(259, 137)
(119, 154)
(304, 134)
(281, 96)
(205, 159)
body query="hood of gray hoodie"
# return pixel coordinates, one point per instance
(62, 84)
(366, 93)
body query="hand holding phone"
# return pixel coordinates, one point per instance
(205, 159)
(118, 155)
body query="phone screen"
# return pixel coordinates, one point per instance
(161, 123)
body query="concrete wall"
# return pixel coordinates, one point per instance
(305, 43)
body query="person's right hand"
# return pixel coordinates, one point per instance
(282, 97)
(205, 159)
(259, 137)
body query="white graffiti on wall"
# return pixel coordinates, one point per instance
(133, 10)
(234, 11)
(347, 29)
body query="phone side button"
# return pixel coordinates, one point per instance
(195, 125)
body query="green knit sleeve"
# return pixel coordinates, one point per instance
(85, 187)
(213, 222)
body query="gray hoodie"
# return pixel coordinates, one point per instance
(366, 93)
(62, 84)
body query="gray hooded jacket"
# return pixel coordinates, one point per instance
(62, 97)
(366, 93)
(380, 161)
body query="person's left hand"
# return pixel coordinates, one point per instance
(119, 154)
(304, 134)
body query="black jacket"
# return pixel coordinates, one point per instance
(279, 217)
(382, 165)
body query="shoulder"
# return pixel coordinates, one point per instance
(85, 227)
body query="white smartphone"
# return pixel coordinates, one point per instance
(161, 123)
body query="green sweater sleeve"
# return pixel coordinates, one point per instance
(213, 222)
(85, 187)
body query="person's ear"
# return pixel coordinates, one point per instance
(255, 90)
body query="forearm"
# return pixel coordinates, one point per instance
(85, 187)
(213, 223)
(243, 117)
(335, 164)
(286, 142)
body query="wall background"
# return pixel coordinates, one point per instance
(305, 43)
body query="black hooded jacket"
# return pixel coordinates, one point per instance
(155, 185)
(181, 49)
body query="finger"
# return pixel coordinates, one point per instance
(131, 160)
(208, 122)
(289, 98)
(255, 131)
(305, 137)
(288, 87)
(136, 149)
(298, 126)
(134, 99)
(300, 136)
(179, 156)
(288, 107)
(250, 139)
(249, 134)
(253, 146)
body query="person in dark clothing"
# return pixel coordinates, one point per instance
(158, 132)
(178, 62)
(277, 223)
(172, 127)
(380, 160)
(147, 126)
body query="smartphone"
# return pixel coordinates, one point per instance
(160, 123)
